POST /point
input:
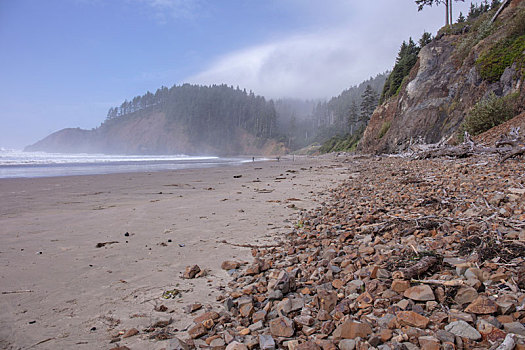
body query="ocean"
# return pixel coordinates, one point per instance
(16, 164)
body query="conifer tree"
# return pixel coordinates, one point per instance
(369, 101)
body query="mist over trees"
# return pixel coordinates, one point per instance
(213, 114)
(210, 114)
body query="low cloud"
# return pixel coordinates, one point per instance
(351, 42)
(304, 66)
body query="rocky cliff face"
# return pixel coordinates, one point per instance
(442, 87)
(149, 134)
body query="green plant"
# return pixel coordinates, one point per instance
(384, 129)
(502, 55)
(489, 113)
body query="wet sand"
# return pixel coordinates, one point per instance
(59, 291)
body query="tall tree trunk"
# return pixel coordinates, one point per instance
(451, 18)
(447, 12)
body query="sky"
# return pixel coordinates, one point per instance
(64, 63)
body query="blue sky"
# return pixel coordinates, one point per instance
(65, 62)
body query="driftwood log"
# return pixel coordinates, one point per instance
(507, 147)
(418, 268)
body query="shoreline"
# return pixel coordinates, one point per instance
(51, 227)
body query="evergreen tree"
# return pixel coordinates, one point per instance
(425, 39)
(406, 59)
(369, 101)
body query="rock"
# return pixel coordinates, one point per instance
(482, 305)
(352, 330)
(308, 345)
(355, 286)
(191, 271)
(347, 344)
(327, 300)
(217, 343)
(514, 327)
(364, 300)
(266, 342)
(463, 329)
(234, 345)
(230, 265)
(291, 344)
(228, 304)
(177, 344)
(275, 295)
(304, 320)
(429, 342)
(400, 286)
(197, 331)
(130, 333)
(445, 336)
(411, 318)
(282, 327)
(210, 315)
(465, 295)
(257, 326)
(419, 293)
(246, 310)
(385, 335)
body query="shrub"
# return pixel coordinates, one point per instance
(489, 113)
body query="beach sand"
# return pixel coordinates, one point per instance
(59, 291)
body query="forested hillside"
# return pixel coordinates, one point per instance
(188, 119)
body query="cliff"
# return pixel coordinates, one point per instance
(459, 68)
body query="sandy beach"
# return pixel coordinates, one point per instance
(59, 291)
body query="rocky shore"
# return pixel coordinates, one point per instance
(404, 254)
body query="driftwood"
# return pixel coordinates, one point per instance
(250, 245)
(418, 268)
(17, 291)
(451, 283)
(507, 147)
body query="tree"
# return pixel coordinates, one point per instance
(448, 7)
(369, 101)
(425, 39)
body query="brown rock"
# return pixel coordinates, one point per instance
(246, 310)
(282, 327)
(191, 271)
(210, 315)
(465, 295)
(482, 305)
(419, 293)
(197, 331)
(429, 342)
(411, 318)
(385, 335)
(230, 265)
(400, 286)
(130, 333)
(309, 345)
(259, 316)
(364, 300)
(236, 346)
(337, 283)
(327, 300)
(352, 330)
